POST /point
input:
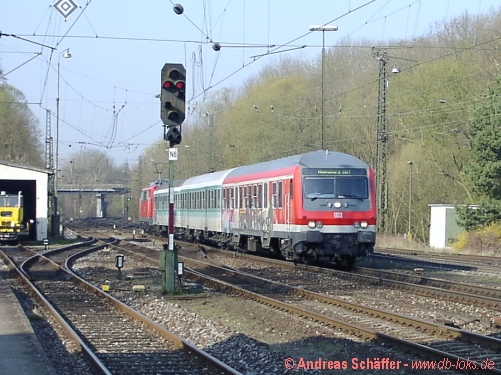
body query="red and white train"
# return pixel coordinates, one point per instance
(318, 205)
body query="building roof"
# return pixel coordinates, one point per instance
(27, 167)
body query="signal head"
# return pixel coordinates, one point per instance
(172, 97)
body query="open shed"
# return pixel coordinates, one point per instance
(33, 183)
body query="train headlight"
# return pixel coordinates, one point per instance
(364, 224)
(319, 224)
(311, 224)
(356, 224)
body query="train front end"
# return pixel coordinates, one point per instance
(337, 212)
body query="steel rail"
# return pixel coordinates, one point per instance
(180, 342)
(86, 351)
(350, 328)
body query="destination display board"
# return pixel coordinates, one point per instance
(334, 172)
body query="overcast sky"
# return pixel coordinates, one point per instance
(108, 87)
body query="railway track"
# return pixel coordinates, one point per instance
(429, 339)
(440, 261)
(488, 298)
(433, 339)
(485, 297)
(455, 345)
(121, 340)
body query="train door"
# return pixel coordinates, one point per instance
(236, 216)
(182, 210)
(205, 204)
(278, 202)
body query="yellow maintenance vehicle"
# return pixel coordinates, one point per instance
(12, 225)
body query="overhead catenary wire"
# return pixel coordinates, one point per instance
(210, 84)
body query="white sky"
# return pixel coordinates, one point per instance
(108, 87)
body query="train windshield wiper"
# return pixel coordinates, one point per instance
(350, 196)
(314, 196)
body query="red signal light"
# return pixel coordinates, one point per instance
(169, 85)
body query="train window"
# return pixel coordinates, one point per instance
(319, 187)
(254, 196)
(338, 187)
(274, 195)
(291, 189)
(225, 191)
(203, 199)
(260, 196)
(218, 198)
(352, 187)
(232, 198)
(241, 197)
(265, 197)
(280, 193)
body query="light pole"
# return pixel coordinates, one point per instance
(323, 29)
(410, 197)
(66, 54)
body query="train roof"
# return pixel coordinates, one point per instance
(315, 159)
(205, 180)
(209, 179)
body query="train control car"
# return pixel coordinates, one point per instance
(12, 225)
(318, 205)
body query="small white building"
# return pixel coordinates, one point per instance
(33, 183)
(444, 230)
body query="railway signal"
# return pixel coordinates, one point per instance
(172, 101)
(172, 113)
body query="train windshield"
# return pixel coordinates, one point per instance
(337, 187)
(8, 201)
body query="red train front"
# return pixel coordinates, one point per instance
(319, 205)
(146, 205)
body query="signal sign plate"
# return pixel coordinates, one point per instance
(65, 7)
(172, 154)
